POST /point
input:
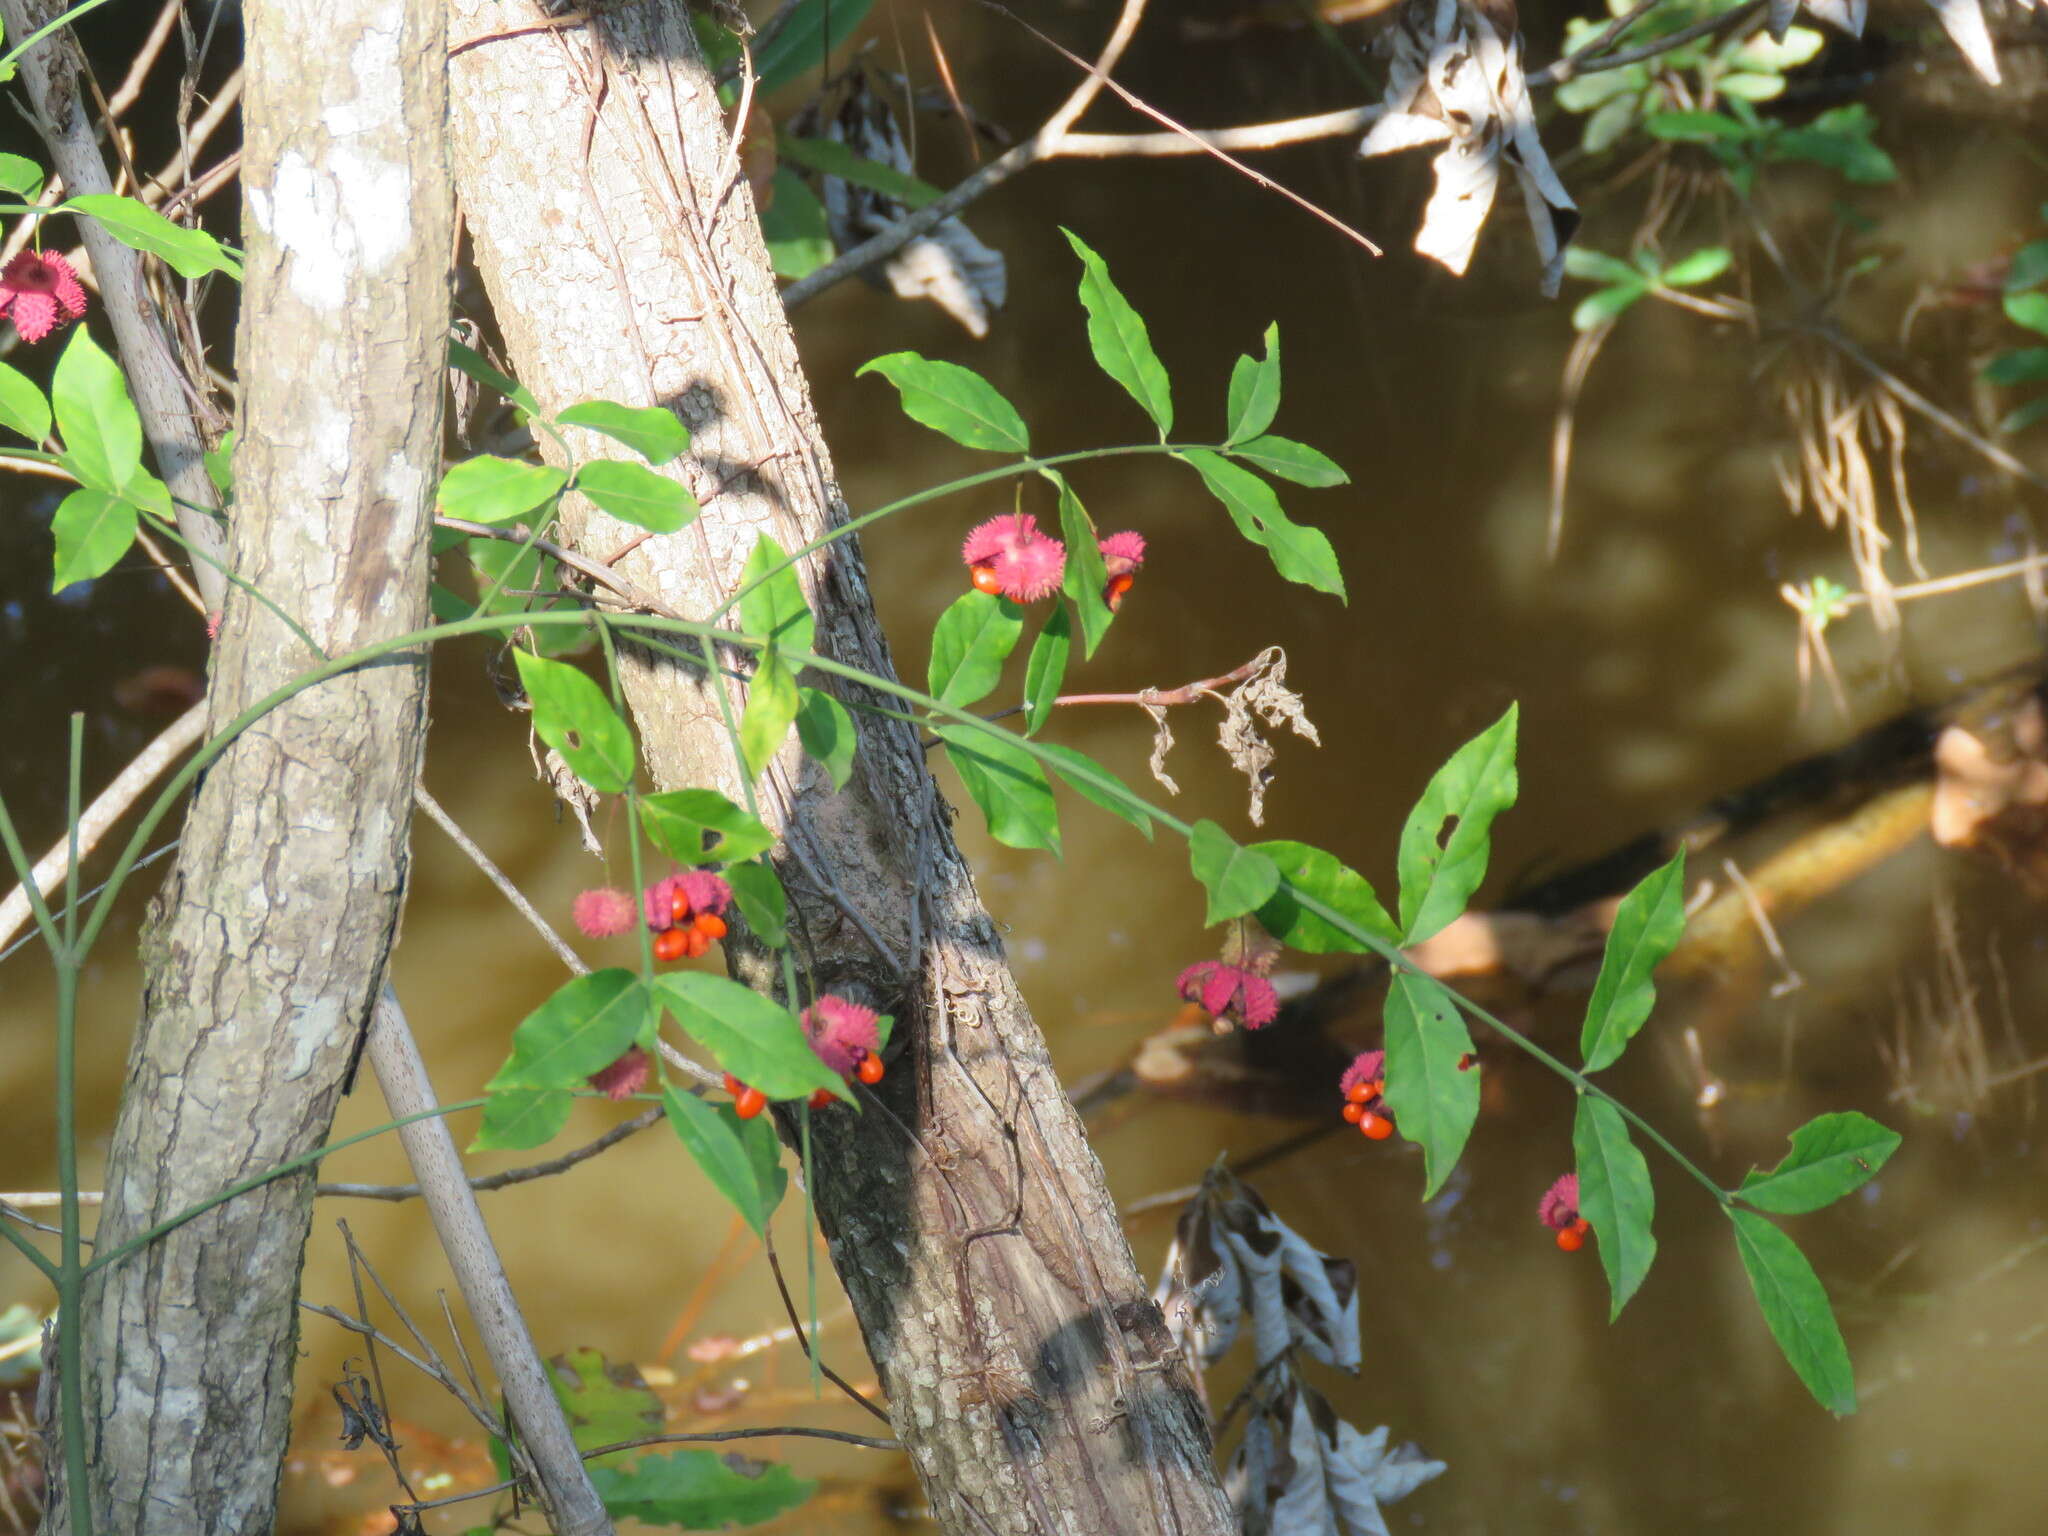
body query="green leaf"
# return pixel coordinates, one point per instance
(2026, 365)
(834, 157)
(771, 710)
(794, 225)
(1647, 927)
(1255, 392)
(649, 430)
(1434, 1103)
(503, 569)
(1796, 1309)
(188, 252)
(698, 1490)
(488, 489)
(806, 40)
(1007, 783)
(1329, 880)
(1751, 87)
(1119, 340)
(775, 610)
(701, 826)
(1091, 781)
(2029, 267)
(22, 406)
(2025, 416)
(713, 1142)
(2029, 310)
(1764, 54)
(467, 361)
(1702, 266)
(762, 903)
(585, 1027)
(572, 715)
(102, 434)
(1615, 115)
(1086, 579)
(1047, 669)
(635, 494)
(826, 731)
(969, 645)
(220, 465)
(1606, 305)
(21, 176)
(1284, 457)
(1839, 139)
(1695, 127)
(1238, 880)
(755, 1039)
(1596, 267)
(1445, 843)
(1831, 1155)
(953, 400)
(93, 530)
(603, 1403)
(1300, 554)
(1615, 1196)
(522, 1118)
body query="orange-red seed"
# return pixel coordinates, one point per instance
(1377, 1127)
(986, 580)
(1354, 1112)
(670, 944)
(750, 1103)
(1570, 1239)
(870, 1069)
(710, 924)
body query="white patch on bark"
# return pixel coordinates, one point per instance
(353, 214)
(311, 1027)
(374, 63)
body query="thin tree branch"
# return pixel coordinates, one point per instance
(489, 1181)
(803, 1340)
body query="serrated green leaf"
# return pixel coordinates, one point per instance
(93, 530)
(1447, 838)
(1238, 880)
(649, 430)
(806, 40)
(572, 715)
(22, 406)
(755, 1039)
(713, 1141)
(1086, 579)
(488, 489)
(953, 400)
(1831, 1155)
(587, 1024)
(697, 1490)
(827, 733)
(775, 609)
(1091, 781)
(1119, 340)
(770, 712)
(701, 826)
(1795, 1307)
(635, 494)
(188, 252)
(517, 1120)
(102, 434)
(1254, 392)
(969, 645)
(1046, 669)
(2029, 310)
(1299, 553)
(1647, 927)
(1615, 1197)
(761, 901)
(1006, 782)
(604, 1403)
(1434, 1103)
(794, 227)
(1284, 457)
(471, 363)
(1329, 880)
(834, 157)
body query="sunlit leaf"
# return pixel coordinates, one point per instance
(635, 494)
(21, 176)
(969, 645)
(835, 157)
(1595, 266)
(572, 715)
(488, 489)
(1006, 782)
(1091, 781)
(1702, 266)
(1329, 880)
(1647, 927)
(1238, 879)
(1086, 577)
(770, 712)
(697, 1490)
(775, 609)
(587, 1024)
(1831, 1155)
(2029, 310)
(953, 400)
(102, 434)
(93, 530)
(794, 227)
(188, 252)
(1434, 1102)
(1795, 1306)
(701, 826)
(1046, 669)
(1299, 553)
(1284, 457)
(1614, 1196)
(1254, 392)
(649, 430)
(22, 406)
(754, 1038)
(1119, 340)
(1448, 836)
(1607, 304)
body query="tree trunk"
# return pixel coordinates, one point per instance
(1027, 1370)
(267, 946)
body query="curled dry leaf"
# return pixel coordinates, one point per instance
(1456, 79)
(1264, 695)
(1302, 1471)
(1162, 742)
(572, 792)
(1994, 796)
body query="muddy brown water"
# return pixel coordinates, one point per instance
(1653, 661)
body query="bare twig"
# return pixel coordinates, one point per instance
(505, 1180)
(498, 878)
(803, 1341)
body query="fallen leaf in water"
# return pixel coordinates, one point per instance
(1994, 798)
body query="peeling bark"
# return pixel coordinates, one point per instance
(1026, 1368)
(267, 946)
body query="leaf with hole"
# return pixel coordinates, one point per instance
(1254, 398)
(701, 826)
(1831, 1156)
(955, 401)
(572, 715)
(1448, 836)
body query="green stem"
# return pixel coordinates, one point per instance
(14, 54)
(169, 530)
(70, 1275)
